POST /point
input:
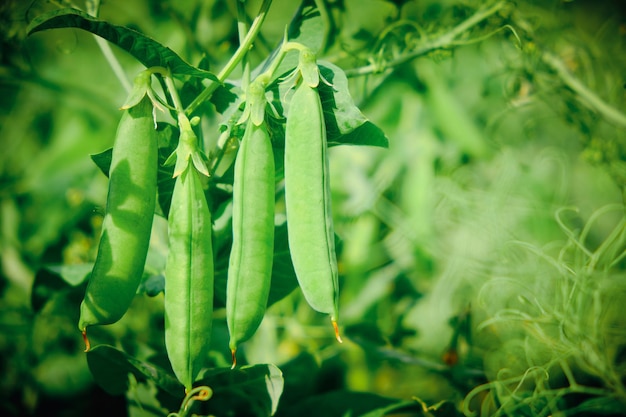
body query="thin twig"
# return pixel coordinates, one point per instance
(234, 60)
(588, 97)
(445, 41)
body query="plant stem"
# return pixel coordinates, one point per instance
(444, 41)
(242, 29)
(178, 105)
(234, 60)
(588, 97)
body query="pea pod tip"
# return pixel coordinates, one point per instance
(86, 340)
(233, 353)
(336, 328)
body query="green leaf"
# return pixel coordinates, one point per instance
(246, 391)
(153, 285)
(306, 28)
(345, 124)
(111, 367)
(103, 160)
(167, 136)
(146, 50)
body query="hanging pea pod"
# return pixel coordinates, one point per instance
(189, 272)
(250, 264)
(307, 198)
(127, 223)
(188, 279)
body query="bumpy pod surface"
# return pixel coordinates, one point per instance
(189, 276)
(128, 219)
(308, 202)
(250, 265)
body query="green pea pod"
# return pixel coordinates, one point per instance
(127, 222)
(307, 198)
(250, 268)
(188, 278)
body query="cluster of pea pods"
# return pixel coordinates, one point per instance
(189, 271)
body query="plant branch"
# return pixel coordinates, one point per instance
(242, 29)
(588, 97)
(243, 49)
(444, 41)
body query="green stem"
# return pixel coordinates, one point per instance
(444, 41)
(178, 105)
(234, 60)
(589, 98)
(242, 29)
(284, 49)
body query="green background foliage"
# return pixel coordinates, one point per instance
(482, 254)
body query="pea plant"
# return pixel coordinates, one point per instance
(274, 118)
(219, 209)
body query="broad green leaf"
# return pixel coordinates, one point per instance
(306, 28)
(250, 390)
(146, 50)
(345, 124)
(111, 367)
(165, 179)
(103, 160)
(153, 285)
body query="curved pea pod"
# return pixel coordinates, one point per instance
(188, 278)
(252, 253)
(127, 222)
(308, 204)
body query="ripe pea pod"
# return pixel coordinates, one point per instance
(252, 253)
(189, 275)
(307, 199)
(127, 223)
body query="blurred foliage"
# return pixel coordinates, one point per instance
(483, 269)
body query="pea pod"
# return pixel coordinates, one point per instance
(307, 199)
(188, 278)
(127, 222)
(250, 265)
